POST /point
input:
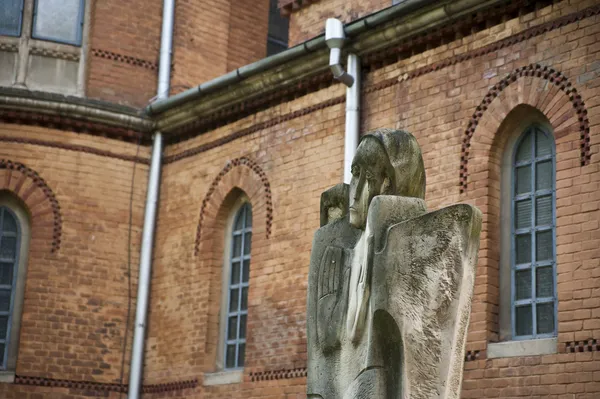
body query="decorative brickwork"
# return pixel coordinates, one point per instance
(548, 103)
(248, 163)
(28, 185)
(269, 375)
(126, 59)
(471, 355)
(589, 345)
(253, 129)
(104, 387)
(63, 55)
(75, 147)
(66, 122)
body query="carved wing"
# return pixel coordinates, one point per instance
(423, 278)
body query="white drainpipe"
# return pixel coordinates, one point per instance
(335, 37)
(145, 273)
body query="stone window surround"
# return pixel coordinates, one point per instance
(23, 218)
(25, 44)
(515, 124)
(222, 377)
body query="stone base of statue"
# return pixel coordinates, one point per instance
(389, 293)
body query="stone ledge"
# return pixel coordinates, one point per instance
(532, 347)
(223, 378)
(7, 377)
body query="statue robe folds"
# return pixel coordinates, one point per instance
(388, 307)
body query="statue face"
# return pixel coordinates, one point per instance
(368, 179)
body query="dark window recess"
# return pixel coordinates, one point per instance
(277, 37)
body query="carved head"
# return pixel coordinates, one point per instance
(387, 162)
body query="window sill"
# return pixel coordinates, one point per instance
(223, 378)
(531, 347)
(7, 376)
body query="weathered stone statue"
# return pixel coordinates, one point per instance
(390, 285)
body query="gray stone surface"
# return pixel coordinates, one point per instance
(390, 285)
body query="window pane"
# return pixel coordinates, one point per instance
(237, 245)
(10, 17)
(246, 271)
(230, 357)
(242, 355)
(523, 244)
(9, 224)
(239, 219)
(523, 284)
(543, 144)
(524, 150)
(545, 318)
(543, 175)
(3, 326)
(544, 282)
(243, 326)
(234, 300)
(248, 215)
(523, 214)
(543, 211)
(523, 180)
(274, 47)
(232, 328)
(5, 300)
(543, 245)
(6, 273)
(57, 20)
(247, 243)
(524, 320)
(8, 247)
(235, 273)
(244, 298)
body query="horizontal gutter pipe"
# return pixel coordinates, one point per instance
(353, 29)
(317, 43)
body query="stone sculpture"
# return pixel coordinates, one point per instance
(390, 285)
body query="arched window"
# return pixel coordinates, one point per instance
(237, 292)
(14, 244)
(533, 263)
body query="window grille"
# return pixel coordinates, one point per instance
(237, 303)
(533, 273)
(10, 237)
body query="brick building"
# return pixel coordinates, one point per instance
(502, 95)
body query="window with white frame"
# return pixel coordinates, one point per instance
(42, 45)
(237, 289)
(58, 21)
(533, 263)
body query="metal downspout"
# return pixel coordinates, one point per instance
(351, 134)
(145, 273)
(335, 38)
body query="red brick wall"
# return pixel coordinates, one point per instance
(303, 156)
(124, 45)
(309, 21)
(215, 37)
(75, 302)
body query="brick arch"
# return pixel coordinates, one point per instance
(41, 201)
(541, 87)
(247, 175)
